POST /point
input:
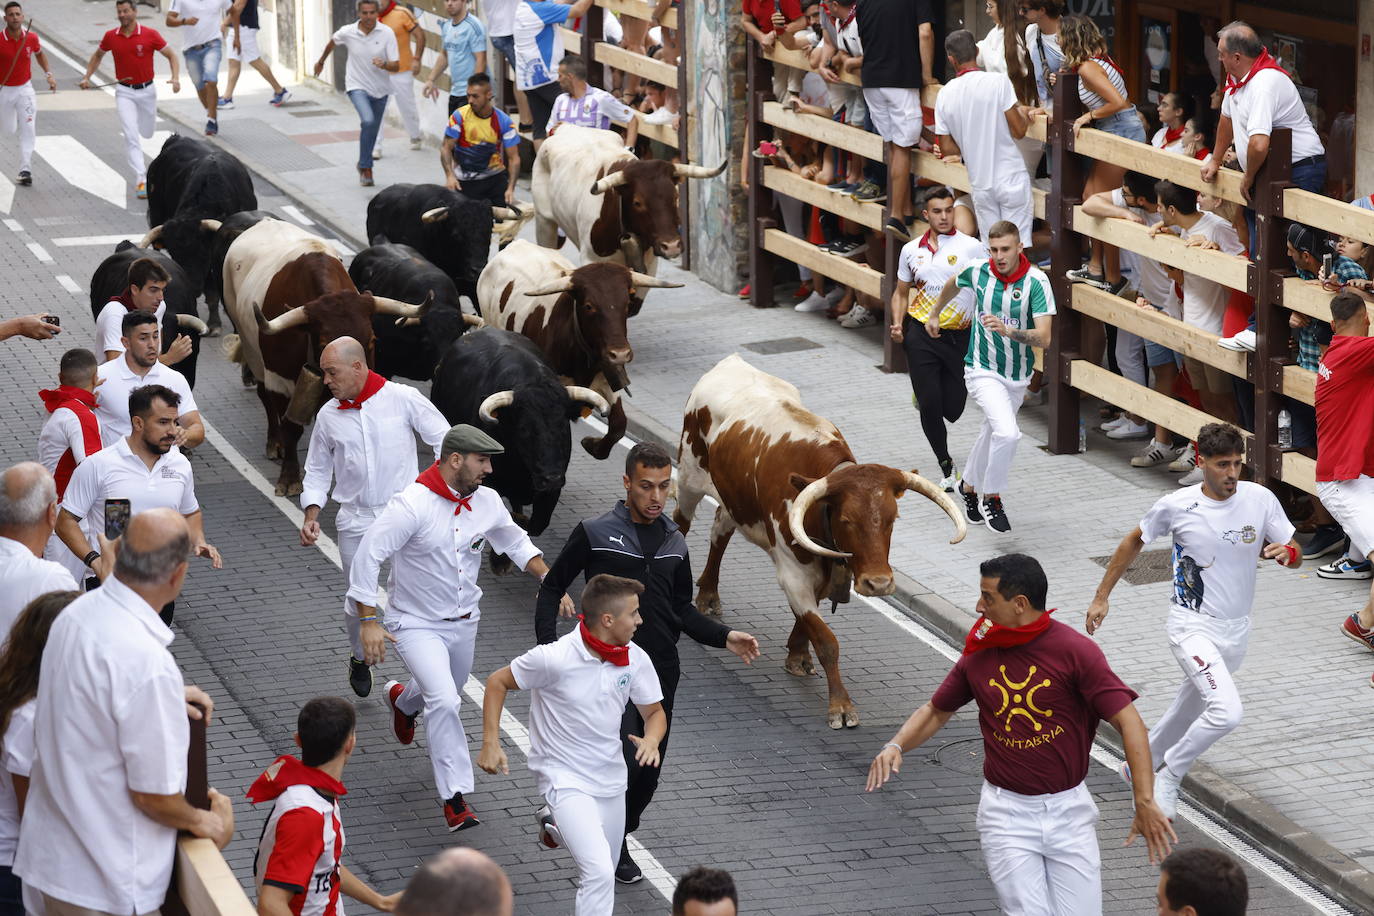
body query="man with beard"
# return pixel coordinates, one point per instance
(136, 367)
(433, 609)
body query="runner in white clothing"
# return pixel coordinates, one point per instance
(137, 366)
(147, 290)
(69, 436)
(433, 532)
(581, 685)
(1220, 529)
(364, 438)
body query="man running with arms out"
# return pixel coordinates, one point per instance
(1037, 821)
(18, 104)
(936, 364)
(1220, 529)
(433, 532)
(1013, 307)
(581, 684)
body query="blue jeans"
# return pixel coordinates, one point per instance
(505, 44)
(202, 64)
(11, 893)
(1123, 124)
(370, 111)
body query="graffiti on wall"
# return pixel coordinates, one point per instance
(712, 102)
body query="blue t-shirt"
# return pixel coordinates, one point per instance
(462, 43)
(538, 48)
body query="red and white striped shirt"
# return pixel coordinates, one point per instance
(303, 839)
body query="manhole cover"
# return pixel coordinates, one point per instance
(311, 113)
(782, 345)
(963, 756)
(1150, 566)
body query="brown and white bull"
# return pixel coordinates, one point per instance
(577, 317)
(788, 481)
(289, 295)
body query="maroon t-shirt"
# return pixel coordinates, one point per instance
(1038, 707)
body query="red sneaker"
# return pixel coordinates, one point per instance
(459, 814)
(744, 291)
(402, 724)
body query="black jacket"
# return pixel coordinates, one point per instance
(610, 544)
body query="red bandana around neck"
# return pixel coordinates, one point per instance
(616, 655)
(840, 26)
(432, 479)
(286, 771)
(1107, 59)
(1171, 134)
(126, 298)
(373, 384)
(80, 402)
(1022, 267)
(988, 635)
(928, 240)
(965, 70)
(1264, 62)
(389, 7)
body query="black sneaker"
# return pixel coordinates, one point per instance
(26, 178)
(1114, 289)
(994, 515)
(897, 228)
(971, 505)
(1326, 539)
(626, 871)
(359, 676)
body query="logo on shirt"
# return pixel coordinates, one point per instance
(953, 259)
(623, 681)
(1018, 701)
(1245, 535)
(170, 474)
(616, 540)
(477, 544)
(1016, 295)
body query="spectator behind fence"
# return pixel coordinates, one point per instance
(111, 729)
(1003, 50)
(462, 52)
(1042, 40)
(978, 119)
(588, 106)
(1201, 882)
(304, 835)
(1174, 108)
(458, 882)
(538, 49)
(767, 21)
(705, 892)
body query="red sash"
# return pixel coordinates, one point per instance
(435, 482)
(79, 401)
(616, 655)
(373, 385)
(988, 635)
(1264, 62)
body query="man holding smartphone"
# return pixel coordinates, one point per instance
(140, 472)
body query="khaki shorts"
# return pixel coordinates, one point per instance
(1208, 378)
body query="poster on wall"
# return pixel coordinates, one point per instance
(1158, 59)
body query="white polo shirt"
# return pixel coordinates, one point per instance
(1204, 301)
(16, 759)
(972, 109)
(575, 713)
(435, 555)
(362, 47)
(111, 719)
(23, 577)
(927, 272)
(108, 333)
(112, 397)
(1267, 102)
(370, 451)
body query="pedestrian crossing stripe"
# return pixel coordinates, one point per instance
(1017, 304)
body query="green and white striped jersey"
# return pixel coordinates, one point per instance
(1017, 303)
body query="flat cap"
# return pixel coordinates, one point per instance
(470, 440)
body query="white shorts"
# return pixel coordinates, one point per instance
(1351, 502)
(248, 43)
(896, 114)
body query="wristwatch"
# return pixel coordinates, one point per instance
(91, 557)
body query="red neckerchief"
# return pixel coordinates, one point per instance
(126, 299)
(988, 635)
(389, 7)
(616, 655)
(373, 385)
(1021, 268)
(286, 771)
(1202, 153)
(965, 70)
(841, 26)
(927, 240)
(432, 479)
(1108, 59)
(1264, 62)
(1171, 134)
(80, 402)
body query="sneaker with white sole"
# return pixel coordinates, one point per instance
(971, 503)
(281, 98)
(1108, 425)
(950, 481)
(224, 104)
(549, 834)
(1083, 275)
(835, 295)
(1346, 568)
(1129, 430)
(812, 303)
(1186, 460)
(1166, 792)
(1192, 477)
(994, 515)
(1153, 455)
(417, 143)
(377, 151)
(858, 317)
(1245, 341)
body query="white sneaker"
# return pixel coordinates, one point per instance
(658, 116)
(1152, 455)
(417, 142)
(1129, 430)
(953, 480)
(858, 317)
(1192, 477)
(1166, 792)
(812, 303)
(835, 295)
(1110, 425)
(377, 151)
(1186, 460)
(1243, 341)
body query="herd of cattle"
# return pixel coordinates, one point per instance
(548, 342)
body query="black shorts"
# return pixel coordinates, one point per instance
(456, 102)
(491, 189)
(541, 107)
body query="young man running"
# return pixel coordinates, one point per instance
(1013, 308)
(19, 47)
(581, 684)
(936, 364)
(1220, 528)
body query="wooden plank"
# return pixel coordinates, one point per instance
(1299, 471)
(1331, 215)
(638, 64)
(639, 10)
(1139, 400)
(1142, 157)
(1228, 270)
(786, 182)
(1156, 326)
(1039, 128)
(855, 139)
(1307, 297)
(663, 133)
(800, 60)
(842, 270)
(206, 883)
(572, 41)
(1300, 384)
(955, 174)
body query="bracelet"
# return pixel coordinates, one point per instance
(366, 619)
(1292, 553)
(892, 744)
(91, 557)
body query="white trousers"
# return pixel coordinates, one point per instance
(439, 656)
(988, 468)
(137, 109)
(1010, 199)
(1041, 851)
(593, 829)
(403, 94)
(351, 524)
(18, 112)
(1207, 707)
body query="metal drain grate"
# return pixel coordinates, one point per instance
(312, 113)
(1151, 566)
(274, 149)
(782, 345)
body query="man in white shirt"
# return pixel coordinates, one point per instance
(203, 48)
(978, 121)
(28, 511)
(148, 470)
(147, 285)
(588, 106)
(1220, 529)
(581, 685)
(111, 731)
(433, 532)
(364, 438)
(137, 366)
(69, 436)
(372, 56)
(538, 49)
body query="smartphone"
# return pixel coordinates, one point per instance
(116, 517)
(54, 320)
(1326, 264)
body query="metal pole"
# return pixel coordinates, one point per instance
(1066, 191)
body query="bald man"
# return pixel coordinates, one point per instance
(28, 512)
(458, 882)
(364, 439)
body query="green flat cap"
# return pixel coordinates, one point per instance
(470, 440)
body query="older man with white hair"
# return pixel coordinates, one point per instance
(28, 512)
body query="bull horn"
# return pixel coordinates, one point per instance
(698, 171)
(562, 285)
(505, 213)
(918, 484)
(291, 318)
(192, 323)
(475, 321)
(493, 403)
(649, 282)
(796, 519)
(438, 214)
(385, 306)
(613, 180)
(153, 235)
(210, 225)
(589, 397)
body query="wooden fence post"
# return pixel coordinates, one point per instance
(894, 354)
(1269, 265)
(759, 75)
(685, 11)
(592, 33)
(1067, 178)
(198, 796)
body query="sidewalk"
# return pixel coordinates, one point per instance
(1295, 771)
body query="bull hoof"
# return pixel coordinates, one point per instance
(593, 446)
(212, 331)
(708, 604)
(501, 565)
(289, 489)
(246, 376)
(800, 667)
(274, 452)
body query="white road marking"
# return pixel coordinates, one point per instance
(6, 194)
(658, 877)
(297, 215)
(13, 225)
(82, 168)
(79, 241)
(153, 145)
(39, 252)
(343, 249)
(68, 283)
